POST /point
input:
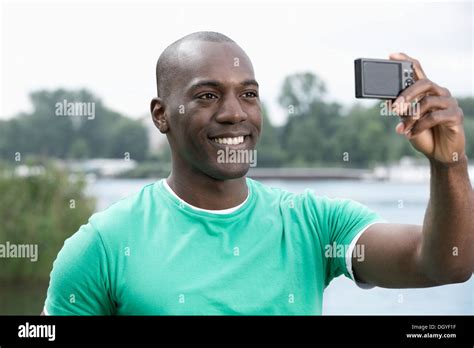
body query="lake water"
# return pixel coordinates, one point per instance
(395, 202)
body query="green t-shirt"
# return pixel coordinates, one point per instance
(151, 254)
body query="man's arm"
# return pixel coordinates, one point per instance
(442, 250)
(439, 252)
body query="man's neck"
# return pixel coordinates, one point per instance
(204, 192)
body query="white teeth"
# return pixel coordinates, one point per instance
(230, 141)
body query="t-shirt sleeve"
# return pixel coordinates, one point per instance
(341, 222)
(79, 282)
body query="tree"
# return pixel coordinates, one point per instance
(89, 130)
(269, 152)
(127, 137)
(467, 106)
(312, 123)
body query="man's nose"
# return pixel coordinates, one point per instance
(231, 111)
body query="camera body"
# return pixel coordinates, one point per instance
(382, 78)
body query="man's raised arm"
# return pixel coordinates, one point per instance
(442, 250)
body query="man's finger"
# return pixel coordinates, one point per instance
(400, 128)
(408, 116)
(435, 118)
(419, 110)
(419, 73)
(406, 123)
(430, 103)
(416, 92)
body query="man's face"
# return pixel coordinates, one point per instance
(213, 104)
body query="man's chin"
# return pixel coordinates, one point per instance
(229, 171)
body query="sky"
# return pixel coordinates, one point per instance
(111, 48)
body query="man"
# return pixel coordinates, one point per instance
(208, 240)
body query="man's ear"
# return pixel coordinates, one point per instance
(157, 109)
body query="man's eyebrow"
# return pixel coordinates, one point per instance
(205, 83)
(217, 84)
(250, 82)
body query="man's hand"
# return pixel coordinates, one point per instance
(442, 250)
(436, 129)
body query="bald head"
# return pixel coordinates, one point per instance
(167, 65)
(206, 90)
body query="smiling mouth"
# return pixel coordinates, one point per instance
(229, 140)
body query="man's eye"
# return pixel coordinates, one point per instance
(206, 96)
(250, 95)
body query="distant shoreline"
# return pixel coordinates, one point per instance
(310, 173)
